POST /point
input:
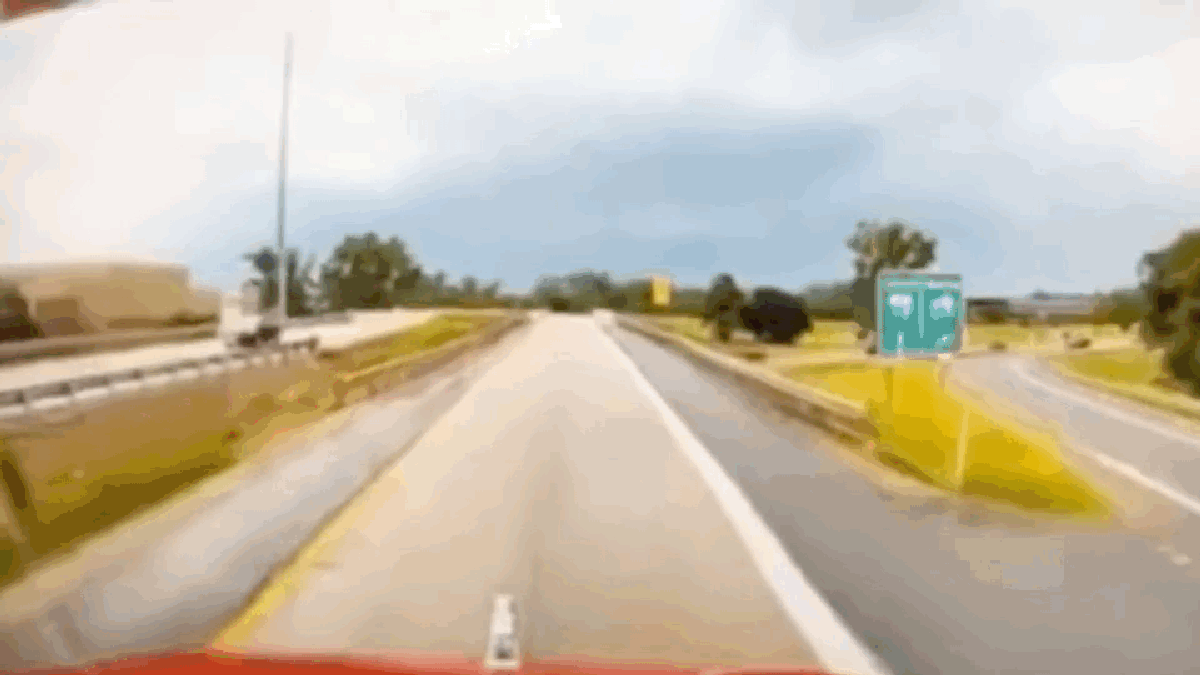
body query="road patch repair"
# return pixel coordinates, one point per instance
(1009, 458)
(144, 447)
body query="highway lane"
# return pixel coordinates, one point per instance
(557, 480)
(1164, 453)
(364, 326)
(939, 588)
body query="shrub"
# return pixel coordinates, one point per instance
(1080, 343)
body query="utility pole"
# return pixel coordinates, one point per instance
(281, 307)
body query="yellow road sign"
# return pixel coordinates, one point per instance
(661, 291)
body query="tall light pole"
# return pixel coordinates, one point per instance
(281, 259)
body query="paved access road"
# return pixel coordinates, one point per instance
(1148, 446)
(364, 326)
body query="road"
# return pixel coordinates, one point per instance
(364, 326)
(1147, 445)
(556, 479)
(597, 485)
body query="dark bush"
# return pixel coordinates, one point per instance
(998, 346)
(776, 317)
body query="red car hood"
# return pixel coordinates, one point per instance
(199, 663)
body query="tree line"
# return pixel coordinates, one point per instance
(365, 272)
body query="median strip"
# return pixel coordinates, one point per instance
(143, 448)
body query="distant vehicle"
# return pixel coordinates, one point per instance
(245, 326)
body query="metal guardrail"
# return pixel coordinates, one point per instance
(70, 389)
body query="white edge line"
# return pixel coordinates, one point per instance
(812, 617)
(1022, 371)
(1179, 497)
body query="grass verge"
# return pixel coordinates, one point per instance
(124, 455)
(832, 336)
(1135, 374)
(825, 334)
(1007, 458)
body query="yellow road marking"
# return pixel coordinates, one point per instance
(284, 586)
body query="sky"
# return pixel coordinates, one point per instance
(1046, 145)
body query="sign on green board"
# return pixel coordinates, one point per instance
(919, 314)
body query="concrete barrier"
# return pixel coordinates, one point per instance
(844, 418)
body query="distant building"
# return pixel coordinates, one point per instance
(91, 297)
(1045, 306)
(982, 309)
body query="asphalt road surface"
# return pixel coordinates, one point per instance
(596, 484)
(1146, 445)
(556, 479)
(936, 588)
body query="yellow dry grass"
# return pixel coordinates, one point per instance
(1007, 458)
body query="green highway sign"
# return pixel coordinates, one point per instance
(918, 314)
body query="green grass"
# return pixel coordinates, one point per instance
(1135, 374)
(920, 424)
(429, 335)
(825, 334)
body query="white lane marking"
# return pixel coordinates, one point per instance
(503, 649)
(1154, 427)
(1181, 498)
(811, 616)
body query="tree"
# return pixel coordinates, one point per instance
(302, 289)
(1124, 308)
(589, 288)
(364, 272)
(549, 287)
(722, 305)
(877, 247)
(16, 321)
(1171, 286)
(833, 302)
(470, 287)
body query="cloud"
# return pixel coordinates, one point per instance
(647, 131)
